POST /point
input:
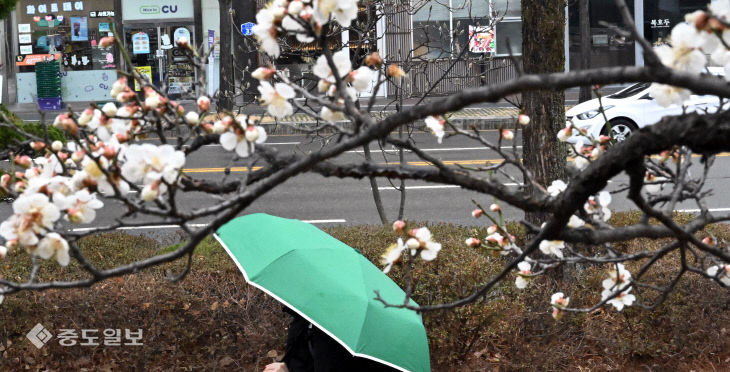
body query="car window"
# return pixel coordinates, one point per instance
(630, 91)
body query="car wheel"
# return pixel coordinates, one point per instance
(620, 129)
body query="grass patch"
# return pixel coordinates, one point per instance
(214, 321)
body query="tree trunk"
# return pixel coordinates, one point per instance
(543, 35)
(245, 51)
(585, 45)
(227, 79)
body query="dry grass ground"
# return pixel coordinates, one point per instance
(213, 321)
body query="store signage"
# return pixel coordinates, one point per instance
(659, 23)
(140, 43)
(247, 28)
(157, 10)
(481, 39)
(32, 59)
(180, 33)
(101, 14)
(145, 71)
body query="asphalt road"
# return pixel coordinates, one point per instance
(332, 201)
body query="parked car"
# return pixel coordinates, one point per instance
(632, 108)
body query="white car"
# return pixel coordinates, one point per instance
(630, 109)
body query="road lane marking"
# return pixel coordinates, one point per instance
(193, 225)
(218, 170)
(434, 150)
(268, 143)
(709, 210)
(383, 188)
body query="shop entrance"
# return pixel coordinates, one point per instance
(153, 51)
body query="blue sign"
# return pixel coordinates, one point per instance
(247, 28)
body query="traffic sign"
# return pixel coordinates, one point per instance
(247, 28)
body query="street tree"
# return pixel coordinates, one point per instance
(106, 164)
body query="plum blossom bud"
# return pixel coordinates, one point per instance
(23, 161)
(183, 42)
(252, 134)
(37, 146)
(203, 103)
(492, 229)
(110, 109)
(495, 208)
(207, 127)
(697, 18)
(263, 73)
(151, 192)
(398, 226)
(219, 127)
(106, 42)
(86, 116)
(565, 133)
(109, 152)
(3, 251)
(122, 137)
(477, 213)
(77, 156)
(5, 181)
(373, 60)
(119, 86)
(473, 242)
(395, 71)
(523, 119)
(19, 186)
(323, 85)
(603, 139)
(192, 118)
(708, 240)
(152, 101)
(413, 243)
(57, 146)
(508, 135)
(63, 156)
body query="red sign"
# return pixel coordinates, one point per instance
(32, 59)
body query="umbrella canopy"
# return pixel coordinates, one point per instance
(330, 284)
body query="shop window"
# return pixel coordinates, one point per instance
(443, 29)
(608, 45)
(660, 16)
(70, 30)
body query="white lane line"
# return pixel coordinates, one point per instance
(193, 225)
(436, 150)
(268, 143)
(697, 210)
(384, 188)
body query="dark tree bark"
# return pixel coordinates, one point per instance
(227, 79)
(543, 33)
(245, 55)
(585, 45)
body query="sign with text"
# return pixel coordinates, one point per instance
(32, 59)
(156, 10)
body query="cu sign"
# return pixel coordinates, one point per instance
(156, 9)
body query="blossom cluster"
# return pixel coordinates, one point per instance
(417, 240)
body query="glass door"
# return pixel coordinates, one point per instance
(142, 44)
(178, 74)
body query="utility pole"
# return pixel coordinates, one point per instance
(585, 45)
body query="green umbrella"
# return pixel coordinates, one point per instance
(330, 284)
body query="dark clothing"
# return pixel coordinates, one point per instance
(308, 349)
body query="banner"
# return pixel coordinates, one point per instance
(144, 71)
(481, 39)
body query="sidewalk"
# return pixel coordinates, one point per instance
(481, 116)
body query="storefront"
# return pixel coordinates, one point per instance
(151, 32)
(69, 32)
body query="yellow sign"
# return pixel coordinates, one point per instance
(144, 71)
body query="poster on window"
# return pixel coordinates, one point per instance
(481, 39)
(141, 43)
(79, 29)
(145, 71)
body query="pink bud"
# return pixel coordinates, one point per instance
(708, 240)
(398, 226)
(473, 242)
(23, 161)
(37, 146)
(477, 213)
(203, 103)
(492, 229)
(106, 42)
(508, 135)
(5, 181)
(495, 208)
(523, 119)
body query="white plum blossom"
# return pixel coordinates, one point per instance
(341, 60)
(620, 301)
(327, 114)
(684, 54)
(525, 269)
(80, 207)
(392, 255)
(422, 239)
(720, 9)
(361, 78)
(552, 247)
(276, 98)
(556, 187)
(150, 164)
(599, 206)
(265, 32)
(242, 142)
(558, 301)
(33, 214)
(436, 125)
(291, 25)
(53, 245)
(343, 11)
(618, 278)
(723, 272)
(667, 95)
(506, 245)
